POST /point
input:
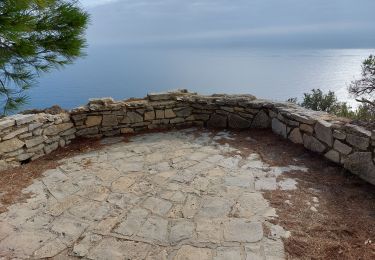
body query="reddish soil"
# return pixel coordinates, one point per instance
(12, 181)
(343, 226)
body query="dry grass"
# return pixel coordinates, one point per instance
(344, 225)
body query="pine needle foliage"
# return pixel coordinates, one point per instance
(36, 36)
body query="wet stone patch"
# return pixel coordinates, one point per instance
(174, 195)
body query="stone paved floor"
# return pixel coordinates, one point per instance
(176, 195)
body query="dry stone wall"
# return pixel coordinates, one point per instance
(335, 138)
(28, 137)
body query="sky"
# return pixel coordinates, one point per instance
(232, 23)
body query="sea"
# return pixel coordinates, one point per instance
(123, 72)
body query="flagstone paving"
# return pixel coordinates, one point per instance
(175, 195)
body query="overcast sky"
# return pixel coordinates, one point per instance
(233, 23)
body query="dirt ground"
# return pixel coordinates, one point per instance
(342, 227)
(12, 181)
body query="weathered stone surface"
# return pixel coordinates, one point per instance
(110, 120)
(241, 230)
(217, 121)
(359, 142)
(187, 252)
(357, 130)
(5, 123)
(323, 132)
(149, 115)
(237, 122)
(49, 148)
(34, 141)
(115, 249)
(215, 207)
(133, 222)
(88, 131)
(333, 156)
(342, 148)
(339, 135)
(145, 199)
(11, 145)
(93, 120)
(279, 128)
(157, 206)
(183, 112)
(228, 253)
(155, 228)
(159, 114)
(15, 133)
(306, 128)
(169, 113)
(261, 120)
(127, 130)
(132, 117)
(55, 129)
(181, 230)
(295, 136)
(361, 163)
(313, 144)
(24, 119)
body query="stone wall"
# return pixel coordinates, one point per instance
(335, 138)
(28, 137)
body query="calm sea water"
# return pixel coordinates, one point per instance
(122, 72)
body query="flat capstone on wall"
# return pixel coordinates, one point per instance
(28, 137)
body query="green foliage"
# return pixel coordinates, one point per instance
(36, 36)
(364, 89)
(319, 101)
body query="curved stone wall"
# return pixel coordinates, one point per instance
(335, 138)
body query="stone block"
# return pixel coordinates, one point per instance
(169, 113)
(7, 123)
(132, 117)
(359, 142)
(323, 132)
(177, 120)
(217, 121)
(295, 136)
(93, 121)
(127, 130)
(149, 115)
(11, 145)
(237, 122)
(88, 131)
(313, 144)
(241, 230)
(55, 129)
(333, 156)
(361, 164)
(279, 128)
(342, 148)
(35, 141)
(110, 120)
(50, 148)
(261, 120)
(24, 119)
(187, 252)
(159, 114)
(15, 133)
(306, 128)
(183, 112)
(339, 135)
